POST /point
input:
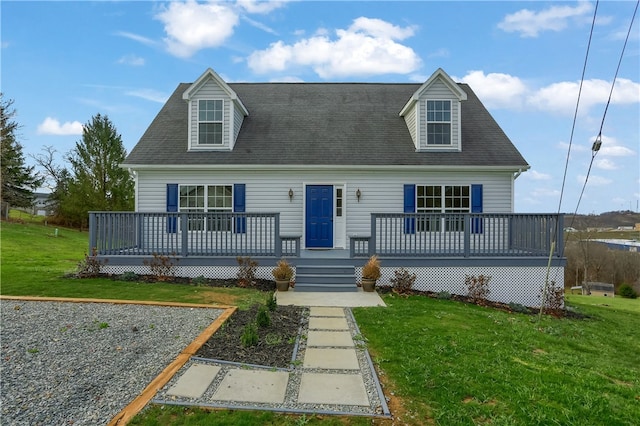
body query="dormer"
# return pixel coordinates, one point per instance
(215, 114)
(433, 116)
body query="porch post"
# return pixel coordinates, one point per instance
(184, 228)
(467, 235)
(372, 240)
(560, 235)
(93, 233)
(277, 239)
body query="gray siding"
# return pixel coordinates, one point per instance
(267, 192)
(439, 91)
(410, 118)
(209, 90)
(238, 118)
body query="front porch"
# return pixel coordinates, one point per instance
(441, 249)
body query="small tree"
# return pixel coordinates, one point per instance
(97, 178)
(18, 180)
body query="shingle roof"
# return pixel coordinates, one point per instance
(324, 124)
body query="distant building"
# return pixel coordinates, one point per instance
(40, 207)
(595, 289)
(619, 244)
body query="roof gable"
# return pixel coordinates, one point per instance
(438, 75)
(210, 74)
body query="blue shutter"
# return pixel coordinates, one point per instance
(239, 206)
(172, 207)
(476, 207)
(410, 207)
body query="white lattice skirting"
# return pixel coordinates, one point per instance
(521, 285)
(508, 284)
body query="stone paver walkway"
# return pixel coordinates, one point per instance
(331, 374)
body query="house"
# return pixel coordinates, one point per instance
(327, 174)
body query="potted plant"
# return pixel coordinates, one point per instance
(370, 273)
(282, 273)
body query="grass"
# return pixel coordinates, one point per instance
(453, 363)
(35, 261)
(444, 362)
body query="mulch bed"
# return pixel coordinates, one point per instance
(275, 344)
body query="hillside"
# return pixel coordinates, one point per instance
(605, 220)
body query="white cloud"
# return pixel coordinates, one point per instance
(574, 147)
(259, 25)
(148, 94)
(611, 148)
(555, 18)
(367, 47)
(133, 60)
(496, 90)
(287, 79)
(192, 26)
(535, 175)
(604, 164)
(594, 180)
(440, 53)
(51, 126)
(562, 97)
(136, 37)
(256, 6)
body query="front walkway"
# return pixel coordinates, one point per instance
(339, 299)
(332, 372)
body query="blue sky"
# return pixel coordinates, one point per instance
(63, 62)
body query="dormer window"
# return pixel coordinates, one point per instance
(439, 122)
(210, 115)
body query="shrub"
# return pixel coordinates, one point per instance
(403, 281)
(246, 271)
(199, 280)
(263, 319)
(129, 276)
(443, 295)
(478, 287)
(272, 303)
(249, 335)
(627, 291)
(162, 267)
(517, 307)
(90, 266)
(283, 271)
(553, 302)
(371, 269)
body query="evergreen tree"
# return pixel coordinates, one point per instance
(97, 180)
(18, 180)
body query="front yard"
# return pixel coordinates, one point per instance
(440, 361)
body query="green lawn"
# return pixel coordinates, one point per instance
(443, 362)
(35, 260)
(455, 363)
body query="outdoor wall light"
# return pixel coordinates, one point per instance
(358, 194)
(290, 194)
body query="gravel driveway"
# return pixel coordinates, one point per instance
(82, 363)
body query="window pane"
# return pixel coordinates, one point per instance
(210, 134)
(439, 134)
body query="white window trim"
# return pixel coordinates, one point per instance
(427, 122)
(206, 199)
(443, 209)
(195, 144)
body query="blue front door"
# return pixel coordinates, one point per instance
(319, 221)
